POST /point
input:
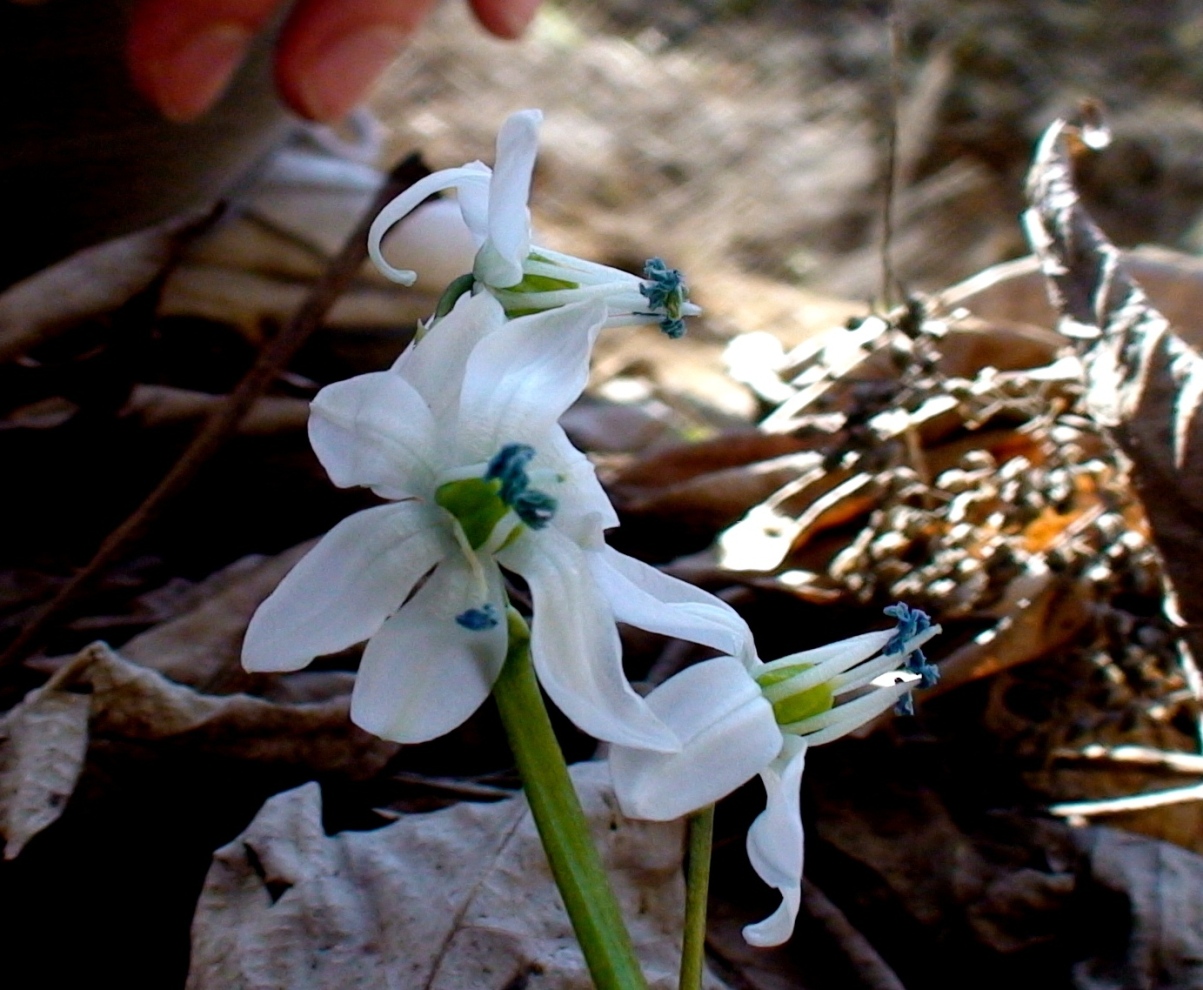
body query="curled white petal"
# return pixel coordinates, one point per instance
(434, 243)
(424, 673)
(341, 592)
(775, 844)
(405, 203)
(575, 645)
(727, 733)
(499, 262)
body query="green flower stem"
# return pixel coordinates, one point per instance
(575, 864)
(697, 888)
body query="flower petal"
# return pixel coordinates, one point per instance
(521, 378)
(424, 673)
(727, 734)
(499, 263)
(775, 843)
(404, 204)
(345, 587)
(647, 598)
(581, 495)
(374, 430)
(435, 365)
(575, 645)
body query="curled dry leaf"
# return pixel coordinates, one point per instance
(458, 898)
(88, 284)
(1151, 894)
(99, 695)
(1144, 382)
(42, 746)
(202, 646)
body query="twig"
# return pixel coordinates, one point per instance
(889, 281)
(874, 972)
(1137, 802)
(1137, 755)
(225, 419)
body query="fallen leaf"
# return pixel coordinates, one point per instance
(100, 696)
(1145, 927)
(454, 899)
(90, 283)
(1144, 381)
(42, 746)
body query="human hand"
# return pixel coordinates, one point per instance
(182, 53)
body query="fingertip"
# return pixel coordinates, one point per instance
(507, 19)
(340, 73)
(182, 54)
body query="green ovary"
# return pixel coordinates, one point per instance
(794, 707)
(541, 283)
(476, 503)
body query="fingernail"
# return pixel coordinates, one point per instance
(191, 80)
(517, 15)
(346, 70)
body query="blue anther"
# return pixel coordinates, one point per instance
(905, 705)
(666, 294)
(911, 622)
(479, 619)
(509, 467)
(917, 663)
(673, 328)
(535, 508)
(667, 285)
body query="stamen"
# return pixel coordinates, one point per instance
(912, 624)
(479, 619)
(509, 467)
(534, 507)
(666, 294)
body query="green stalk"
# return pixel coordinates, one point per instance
(697, 889)
(575, 864)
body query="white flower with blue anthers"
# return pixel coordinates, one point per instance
(737, 717)
(527, 278)
(461, 435)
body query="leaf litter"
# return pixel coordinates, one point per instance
(958, 452)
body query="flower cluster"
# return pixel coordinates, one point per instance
(526, 278)
(461, 439)
(737, 717)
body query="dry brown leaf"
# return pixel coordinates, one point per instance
(90, 283)
(460, 898)
(164, 405)
(1144, 381)
(1150, 895)
(202, 647)
(44, 739)
(42, 746)
(1016, 291)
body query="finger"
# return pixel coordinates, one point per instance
(183, 53)
(332, 51)
(505, 18)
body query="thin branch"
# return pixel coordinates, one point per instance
(874, 972)
(225, 419)
(1136, 802)
(1144, 756)
(889, 281)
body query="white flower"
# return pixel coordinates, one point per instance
(741, 717)
(528, 279)
(462, 435)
